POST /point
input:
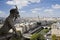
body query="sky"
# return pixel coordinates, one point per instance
(31, 8)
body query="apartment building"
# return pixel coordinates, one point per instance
(55, 29)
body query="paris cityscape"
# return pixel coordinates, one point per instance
(29, 19)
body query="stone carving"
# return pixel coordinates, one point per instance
(9, 22)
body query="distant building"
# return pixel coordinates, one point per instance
(1, 25)
(24, 27)
(55, 29)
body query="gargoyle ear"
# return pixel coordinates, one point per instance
(16, 7)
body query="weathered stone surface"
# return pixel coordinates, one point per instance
(9, 24)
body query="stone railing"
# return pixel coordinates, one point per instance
(5, 37)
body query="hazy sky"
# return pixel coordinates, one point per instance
(31, 8)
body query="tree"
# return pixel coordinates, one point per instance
(41, 37)
(37, 36)
(53, 37)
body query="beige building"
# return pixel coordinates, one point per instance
(55, 29)
(24, 27)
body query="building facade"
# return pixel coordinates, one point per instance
(55, 29)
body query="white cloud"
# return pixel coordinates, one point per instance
(33, 1)
(56, 6)
(35, 10)
(48, 10)
(10, 2)
(2, 14)
(21, 3)
(22, 11)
